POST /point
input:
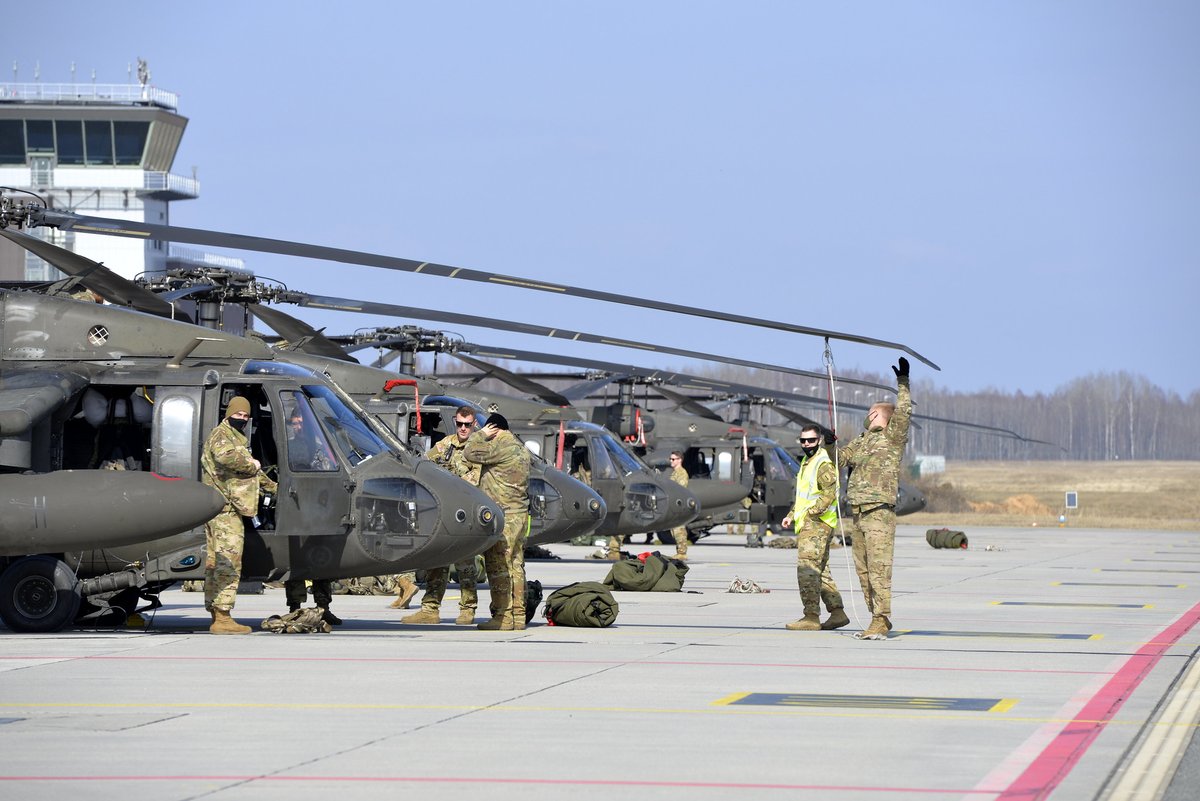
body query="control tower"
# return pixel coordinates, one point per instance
(100, 149)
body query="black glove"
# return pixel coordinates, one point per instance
(902, 370)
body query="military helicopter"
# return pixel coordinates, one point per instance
(371, 509)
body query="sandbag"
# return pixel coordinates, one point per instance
(945, 538)
(587, 604)
(649, 572)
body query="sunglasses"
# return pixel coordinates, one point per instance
(809, 440)
(461, 424)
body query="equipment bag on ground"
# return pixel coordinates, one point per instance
(587, 604)
(309, 620)
(649, 572)
(945, 538)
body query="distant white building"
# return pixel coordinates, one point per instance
(99, 149)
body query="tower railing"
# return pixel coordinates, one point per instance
(68, 93)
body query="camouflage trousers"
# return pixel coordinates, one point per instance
(435, 586)
(614, 546)
(874, 534)
(296, 592)
(812, 567)
(681, 540)
(225, 537)
(505, 565)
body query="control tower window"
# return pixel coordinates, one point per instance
(70, 141)
(12, 142)
(39, 136)
(99, 141)
(130, 141)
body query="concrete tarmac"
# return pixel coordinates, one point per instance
(1038, 663)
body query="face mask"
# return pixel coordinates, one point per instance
(238, 424)
(811, 451)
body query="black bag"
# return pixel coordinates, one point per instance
(533, 597)
(588, 604)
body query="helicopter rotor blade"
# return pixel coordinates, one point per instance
(104, 282)
(196, 236)
(297, 332)
(512, 379)
(687, 404)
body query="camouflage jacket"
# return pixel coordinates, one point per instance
(448, 453)
(504, 468)
(679, 476)
(227, 466)
(873, 457)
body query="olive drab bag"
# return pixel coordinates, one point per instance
(309, 620)
(945, 538)
(587, 604)
(649, 572)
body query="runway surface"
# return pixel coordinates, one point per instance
(1059, 663)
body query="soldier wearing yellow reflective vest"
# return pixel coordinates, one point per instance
(815, 515)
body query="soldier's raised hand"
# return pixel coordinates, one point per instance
(902, 370)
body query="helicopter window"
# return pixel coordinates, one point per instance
(111, 430)
(775, 469)
(602, 466)
(307, 447)
(534, 447)
(352, 434)
(176, 437)
(621, 457)
(725, 466)
(788, 460)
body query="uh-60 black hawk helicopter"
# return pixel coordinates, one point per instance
(82, 383)
(14, 213)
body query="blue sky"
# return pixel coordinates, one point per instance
(1010, 188)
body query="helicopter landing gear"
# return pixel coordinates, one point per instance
(38, 594)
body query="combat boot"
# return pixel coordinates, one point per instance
(465, 617)
(503, 622)
(837, 619)
(329, 617)
(887, 621)
(806, 623)
(405, 590)
(424, 616)
(224, 624)
(877, 630)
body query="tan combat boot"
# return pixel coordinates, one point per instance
(837, 619)
(877, 630)
(807, 623)
(405, 590)
(503, 622)
(424, 616)
(224, 624)
(465, 617)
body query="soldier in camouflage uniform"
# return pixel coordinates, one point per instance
(228, 467)
(680, 477)
(815, 515)
(504, 477)
(873, 459)
(448, 453)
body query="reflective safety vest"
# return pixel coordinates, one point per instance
(807, 493)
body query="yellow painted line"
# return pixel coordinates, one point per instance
(108, 230)
(813, 712)
(1004, 705)
(730, 699)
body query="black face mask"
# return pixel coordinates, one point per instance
(810, 451)
(238, 424)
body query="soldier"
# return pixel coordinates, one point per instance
(873, 462)
(680, 477)
(448, 453)
(504, 477)
(306, 453)
(406, 588)
(815, 516)
(228, 467)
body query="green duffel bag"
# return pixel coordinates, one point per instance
(587, 604)
(945, 538)
(656, 574)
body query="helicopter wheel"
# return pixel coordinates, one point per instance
(38, 594)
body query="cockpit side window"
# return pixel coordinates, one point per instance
(602, 466)
(308, 447)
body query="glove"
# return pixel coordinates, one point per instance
(902, 370)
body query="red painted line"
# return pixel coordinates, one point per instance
(1060, 756)
(634, 663)
(499, 780)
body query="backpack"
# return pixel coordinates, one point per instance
(309, 620)
(533, 597)
(587, 604)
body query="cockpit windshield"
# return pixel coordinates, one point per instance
(352, 435)
(625, 461)
(788, 459)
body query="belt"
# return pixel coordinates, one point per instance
(875, 508)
